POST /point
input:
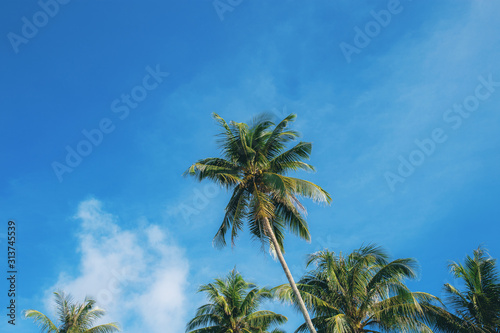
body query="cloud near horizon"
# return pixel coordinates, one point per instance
(139, 276)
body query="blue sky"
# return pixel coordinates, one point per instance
(403, 118)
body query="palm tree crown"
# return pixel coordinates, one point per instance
(361, 292)
(254, 164)
(233, 308)
(73, 317)
(477, 307)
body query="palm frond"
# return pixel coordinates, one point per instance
(292, 218)
(41, 320)
(310, 190)
(218, 170)
(233, 218)
(265, 318)
(278, 138)
(104, 328)
(63, 305)
(291, 160)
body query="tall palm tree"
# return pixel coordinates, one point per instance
(477, 307)
(361, 292)
(254, 165)
(73, 317)
(233, 308)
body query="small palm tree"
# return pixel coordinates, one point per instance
(233, 308)
(361, 292)
(73, 317)
(477, 307)
(255, 165)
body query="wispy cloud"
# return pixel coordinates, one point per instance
(138, 276)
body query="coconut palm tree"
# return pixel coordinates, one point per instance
(477, 306)
(73, 317)
(361, 292)
(254, 165)
(233, 308)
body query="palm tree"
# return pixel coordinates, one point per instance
(73, 317)
(477, 307)
(233, 308)
(361, 292)
(254, 165)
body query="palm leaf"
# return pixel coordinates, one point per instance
(233, 218)
(41, 320)
(105, 328)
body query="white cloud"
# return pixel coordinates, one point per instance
(138, 276)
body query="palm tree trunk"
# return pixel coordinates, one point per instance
(289, 276)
